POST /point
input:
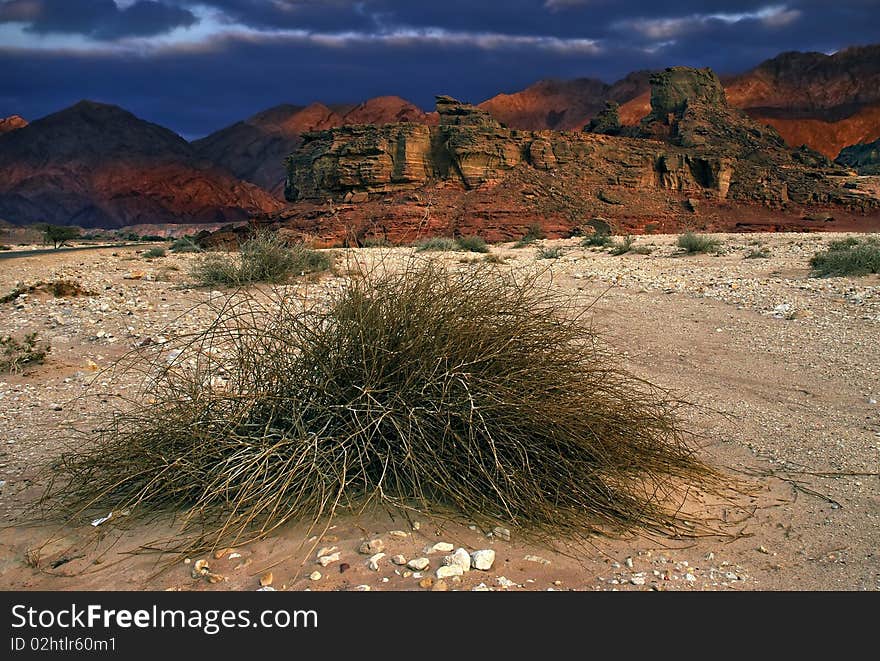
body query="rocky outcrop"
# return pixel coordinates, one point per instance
(606, 122)
(96, 165)
(255, 149)
(863, 158)
(699, 145)
(823, 101)
(12, 123)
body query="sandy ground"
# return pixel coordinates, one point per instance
(784, 371)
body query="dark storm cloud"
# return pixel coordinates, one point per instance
(99, 19)
(241, 56)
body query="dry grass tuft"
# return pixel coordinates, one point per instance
(477, 392)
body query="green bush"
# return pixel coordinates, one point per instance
(185, 244)
(597, 240)
(152, 253)
(623, 247)
(439, 243)
(850, 256)
(549, 253)
(533, 233)
(263, 258)
(472, 244)
(697, 243)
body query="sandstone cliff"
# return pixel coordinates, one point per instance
(693, 160)
(12, 123)
(254, 149)
(864, 158)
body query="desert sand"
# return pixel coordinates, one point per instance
(782, 371)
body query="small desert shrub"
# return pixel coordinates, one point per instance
(622, 247)
(850, 256)
(436, 243)
(534, 233)
(650, 228)
(152, 253)
(472, 244)
(478, 394)
(760, 252)
(263, 258)
(375, 242)
(642, 250)
(185, 244)
(549, 253)
(493, 259)
(692, 243)
(597, 240)
(15, 355)
(4, 247)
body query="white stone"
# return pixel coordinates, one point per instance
(501, 533)
(373, 562)
(483, 559)
(460, 558)
(363, 588)
(327, 550)
(398, 559)
(439, 547)
(418, 564)
(325, 560)
(505, 582)
(448, 571)
(315, 576)
(372, 547)
(537, 558)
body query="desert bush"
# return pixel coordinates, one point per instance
(692, 243)
(850, 256)
(549, 253)
(185, 244)
(375, 242)
(533, 233)
(152, 253)
(263, 258)
(492, 258)
(476, 394)
(16, 355)
(760, 252)
(622, 247)
(597, 240)
(4, 247)
(440, 243)
(472, 244)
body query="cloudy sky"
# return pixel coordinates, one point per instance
(198, 65)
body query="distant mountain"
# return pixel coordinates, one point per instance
(562, 104)
(97, 165)
(255, 149)
(826, 102)
(12, 123)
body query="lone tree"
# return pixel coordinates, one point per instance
(58, 235)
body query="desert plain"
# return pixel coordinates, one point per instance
(781, 372)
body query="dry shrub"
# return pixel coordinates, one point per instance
(16, 355)
(475, 392)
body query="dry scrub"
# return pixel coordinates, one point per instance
(477, 392)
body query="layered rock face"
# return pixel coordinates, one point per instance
(12, 123)
(864, 158)
(255, 149)
(699, 145)
(824, 101)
